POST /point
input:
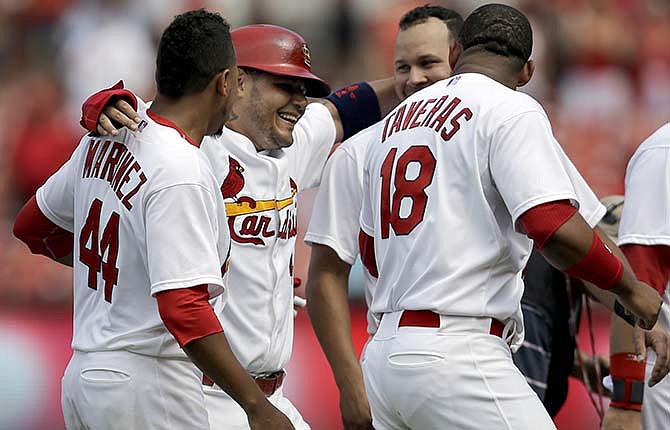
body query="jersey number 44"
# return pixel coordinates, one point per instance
(92, 247)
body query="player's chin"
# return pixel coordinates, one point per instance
(284, 140)
(283, 135)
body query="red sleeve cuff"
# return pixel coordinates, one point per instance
(187, 314)
(651, 264)
(40, 234)
(93, 106)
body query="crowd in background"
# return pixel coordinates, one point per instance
(603, 75)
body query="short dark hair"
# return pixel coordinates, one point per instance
(192, 50)
(419, 15)
(499, 29)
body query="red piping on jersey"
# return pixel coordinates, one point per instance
(187, 314)
(167, 123)
(651, 264)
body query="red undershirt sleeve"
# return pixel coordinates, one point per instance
(187, 314)
(40, 234)
(366, 245)
(651, 264)
(542, 221)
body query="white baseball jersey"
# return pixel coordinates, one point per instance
(260, 191)
(646, 221)
(646, 214)
(447, 175)
(337, 207)
(147, 217)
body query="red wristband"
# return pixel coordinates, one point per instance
(628, 379)
(599, 266)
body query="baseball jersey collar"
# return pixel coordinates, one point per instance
(167, 123)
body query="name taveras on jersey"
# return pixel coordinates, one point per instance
(417, 114)
(114, 163)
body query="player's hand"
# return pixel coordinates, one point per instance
(622, 419)
(355, 409)
(643, 301)
(656, 339)
(117, 114)
(266, 417)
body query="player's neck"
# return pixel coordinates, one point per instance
(183, 113)
(487, 65)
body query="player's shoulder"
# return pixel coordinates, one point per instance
(492, 96)
(356, 145)
(316, 123)
(168, 149)
(658, 139)
(652, 148)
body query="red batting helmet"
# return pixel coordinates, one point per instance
(277, 50)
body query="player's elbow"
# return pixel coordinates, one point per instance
(187, 314)
(25, 227)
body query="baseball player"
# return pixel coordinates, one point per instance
(644, 237)
(275, 145)
(453, 175)
(141, 219)
(426, 40)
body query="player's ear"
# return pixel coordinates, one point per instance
(526, 73)
(242, 78)
(223, 84)
(455, 51)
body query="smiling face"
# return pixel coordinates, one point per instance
(421, 56)
(268, 108)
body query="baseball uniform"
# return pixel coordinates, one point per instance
(646, 221)
(260, 191)
(447, 175)
(147, 217)
(337, 206)
(260, 194)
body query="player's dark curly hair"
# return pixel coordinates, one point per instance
(499, 29)
(192, 50)
(419, 15)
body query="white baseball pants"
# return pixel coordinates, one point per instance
(457, 376)
(126, 391)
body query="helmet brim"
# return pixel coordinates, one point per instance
(314, 86)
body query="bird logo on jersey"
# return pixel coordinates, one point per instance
(294, 187)
(234, 181)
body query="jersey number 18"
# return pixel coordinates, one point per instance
(414, 189)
